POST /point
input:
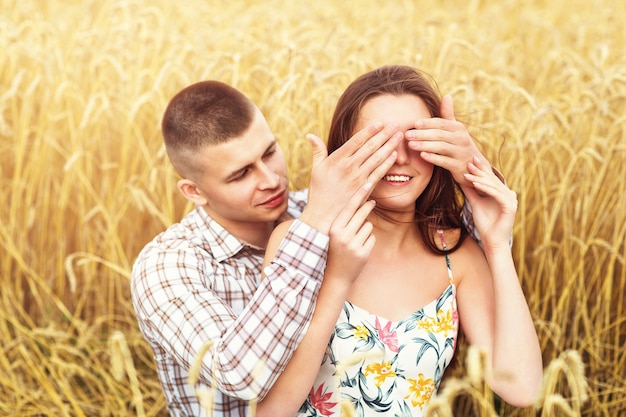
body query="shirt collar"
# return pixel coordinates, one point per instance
(223, 244)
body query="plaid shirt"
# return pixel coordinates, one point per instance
(195, 282)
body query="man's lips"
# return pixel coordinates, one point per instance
(275, 200)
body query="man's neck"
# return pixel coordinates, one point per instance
(257, 236)
(253, 233)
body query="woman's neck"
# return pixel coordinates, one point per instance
(394, 233)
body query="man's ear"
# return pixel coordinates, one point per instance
(191, 191)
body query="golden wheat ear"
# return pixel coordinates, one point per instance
(122, 364)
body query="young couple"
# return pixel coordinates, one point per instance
(350, 291)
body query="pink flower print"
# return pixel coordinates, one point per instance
(320, 400)
(390, 339)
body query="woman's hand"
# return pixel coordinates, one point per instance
(493, 204)
(445, 142)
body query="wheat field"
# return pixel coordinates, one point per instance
(85, 181)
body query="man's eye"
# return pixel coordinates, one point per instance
(241, 175)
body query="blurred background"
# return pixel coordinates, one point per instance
(85, 181)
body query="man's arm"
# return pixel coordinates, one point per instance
(180, 312)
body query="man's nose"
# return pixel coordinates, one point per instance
(270, 179)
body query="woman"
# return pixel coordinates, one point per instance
(397, 329)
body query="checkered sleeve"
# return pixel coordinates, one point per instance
(265, 336)
(178, 312)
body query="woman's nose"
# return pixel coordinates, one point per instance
(403, 153)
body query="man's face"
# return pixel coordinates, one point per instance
(244, 183)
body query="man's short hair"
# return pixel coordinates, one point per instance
(203, 114)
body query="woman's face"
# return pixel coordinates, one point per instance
(409, 176)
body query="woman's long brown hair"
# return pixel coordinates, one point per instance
(441, 204)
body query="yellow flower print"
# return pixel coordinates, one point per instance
(446, 322)
(427, 324)
(420, 391)
(382, 371)
(361, 332)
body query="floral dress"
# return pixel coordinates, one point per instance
(381, 367)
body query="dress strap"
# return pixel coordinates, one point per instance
(445, 249)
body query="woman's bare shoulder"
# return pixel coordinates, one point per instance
(282, 226)
(467, 257)
(279, 232)
(469, 261)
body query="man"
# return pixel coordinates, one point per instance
(199, 282)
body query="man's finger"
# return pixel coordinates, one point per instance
(319, 149)
(359, 139)
(447, 107)
(380, 169)
(353, 206)
(379, 146)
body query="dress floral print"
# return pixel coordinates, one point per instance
(381, 367)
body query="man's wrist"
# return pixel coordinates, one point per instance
(317, 223)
